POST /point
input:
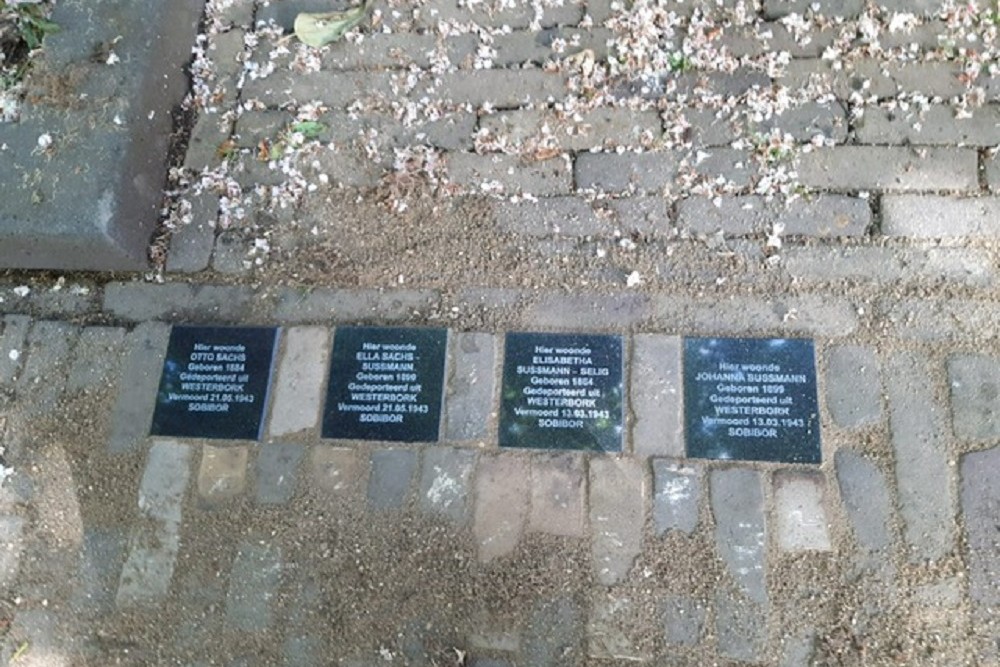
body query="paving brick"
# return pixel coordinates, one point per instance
(992, 172)
(101, 557)
(827, 316)
(13, 335)
(676, 497)
(231, 253)
(49, 345)
(133, 411)
(822, 216)
(337, 471)
(277, 472)
(853, 386)
(222, 474)
(975, 397)
(602, 128)
(879, 264)
(801, 518)
(509, 174)
(333, 89)
(740, 528)
(567, 216)
(301, 651)
(451, 131)
(874, 77)
(299, 382)
(866, 500)
(11, 548)
(645, 215)
(253, 586)
(740, 626)
(520, 47)
(844, 8)
(980, 509)
(138, 302)
(155, 540)
(568, 312)
(614, 172)
(807, 121)
(445, 482)
(798, 649)
(388, 50)
(558, 494)
(935, 126)
(501, 87)
(501, 508)
(936, 320)
(614, 624)
(469, 409)
(734, 167)
(351, 306)
(618, 491)
(683, 619)
(96, 359)
(889, 168)
(919, 441)
(391, 474)
(52, 304)
(918, 7)
(656, 396)
(930, 216)
(554, 636)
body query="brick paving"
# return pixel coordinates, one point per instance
(889, 263)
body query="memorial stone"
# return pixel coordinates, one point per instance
(751, 399)
(562, 391)
(215, 382)
(385, 384)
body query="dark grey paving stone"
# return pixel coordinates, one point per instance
(444, 483)
(253, 585)
(740, 528)
(13, 332)
(301, 651)
(676, 497)
(554, 636)
(853, 386)
(975, 396)
(96, 359)
(49, 346)
(683, 619)
(98, 202)
(866, 499)
(740, 626)
(981, 511)
(133, 411)
(392, 472)
(277, 472)
(97, 580)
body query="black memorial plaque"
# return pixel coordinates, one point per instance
(752, 399)
(215, 382)
(385, 384)
(562, 391)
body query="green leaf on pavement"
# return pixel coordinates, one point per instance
(323, 28)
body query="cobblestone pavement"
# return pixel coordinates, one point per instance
(122, 548)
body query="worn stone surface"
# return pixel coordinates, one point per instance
(740, 529)
(822, 316)
(980, 508)
(469, 408)
(277, 472)
(614, 172)
(823, 216)
(253, 585)
(886, 265)
(588, 311)
(656, 396)
(501, 506)
(926, 498)
(801, 517)
(554, 636)
(613, 625)
(338, 471)
(96, 359)
(445, 482)
(853, 386)
(298, 384)
(222, 475)
(194, 303)
(740, 626)
(133, 411)
(676, 497)
(510, 175)
(559, 215)
(618, 492)
(888, 168)
(558, 494)
(392, 472)
(866, 500)
(975, 397)
(350, 306)
(932, 216)
(12, 348)
(683, 619)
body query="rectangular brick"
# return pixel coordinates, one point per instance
(889, 168)
(939, 320)
(469, 405)
(980, 508)
(253, 586)
(191, 245)
(880, 264)
(801, 518)
(822, 216)
(975, 402)
(500, 87)
(656, 396)
(676, 497)
(737, 498)
(13, 351)
(558, 494)
(333, 89)
(866, 501)
(509, 174)
(614, 172)
(616, 628)
(298, 385)
(96, 359)
(446, 481)
(853, 386)
(155, 541)
(337, 471)
(683, 619)
(740, 626)
(822, 316)
(320, 305)
(618, 492)
(390, 478)
(587, 311)
(642, 215)
(47, 358)
(919, 441)
(133, 411)
(102, 554)
(11, 548)
(935, 126)
(534, 47)
(222, 474)
(601, 128)
(563, 216)
(276, 472)
(501, 507)
(931, 216)
(843, 8)
(874, 78)
(138, 302)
